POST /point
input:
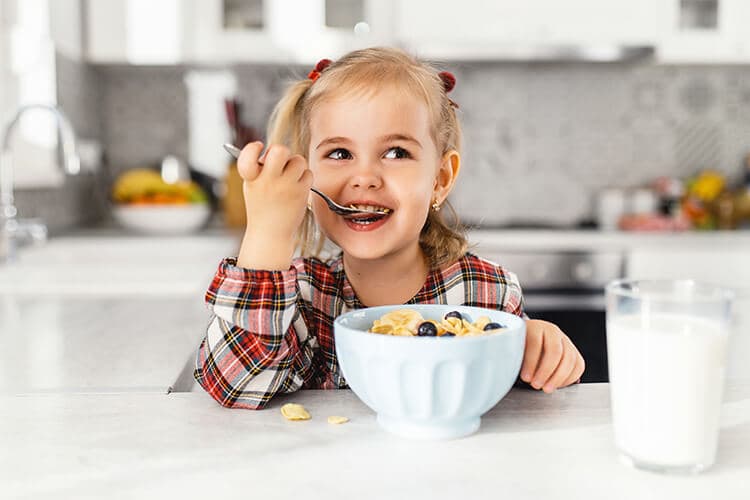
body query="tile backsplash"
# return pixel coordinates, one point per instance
(540, 140)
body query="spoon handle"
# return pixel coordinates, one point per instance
(232, 150)
(235, 151)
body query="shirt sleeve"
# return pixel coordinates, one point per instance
(513, 297)
(252, 348)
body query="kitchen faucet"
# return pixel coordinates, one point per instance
(14, 230)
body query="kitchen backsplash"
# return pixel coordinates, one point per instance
(540, 140)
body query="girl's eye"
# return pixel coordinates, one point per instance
(339, 154)
(397, 153)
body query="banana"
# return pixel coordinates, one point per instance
(143, 182)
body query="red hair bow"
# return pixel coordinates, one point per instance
(318, 69)
(449, 81)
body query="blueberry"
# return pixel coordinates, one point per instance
(427, 329)
(492, 326)
(453, 314)
(448, 334)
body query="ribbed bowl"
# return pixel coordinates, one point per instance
(429, 387)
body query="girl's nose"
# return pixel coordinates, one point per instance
(367, 176)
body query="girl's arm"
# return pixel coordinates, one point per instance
(252, 349)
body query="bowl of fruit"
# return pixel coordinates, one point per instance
(430, 370)
(144, 202)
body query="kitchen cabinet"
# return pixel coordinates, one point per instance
(510, 29)
(232, 31)
(137, 31)
(706, 32)
(304, 31)
(678, 31)
(290, 31)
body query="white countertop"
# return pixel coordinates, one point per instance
(86, 365)
(74, 343)
(104, 263)
(557, 240)
(184, 445)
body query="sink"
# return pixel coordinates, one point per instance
(117, 265)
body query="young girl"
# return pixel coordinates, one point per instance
(373, 129)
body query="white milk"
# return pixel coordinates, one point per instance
(666, 378)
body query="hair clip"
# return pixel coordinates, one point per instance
(318, 69)
(449, 81)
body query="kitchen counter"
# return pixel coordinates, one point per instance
(90, 353)
(103, 311)
(184, 445)
(566, 240)
(73, 343)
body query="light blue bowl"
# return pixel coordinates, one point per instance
(429, 387)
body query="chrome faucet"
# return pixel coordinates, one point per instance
(14, 231)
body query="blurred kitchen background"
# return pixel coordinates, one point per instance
(575, 113)
(603, 139)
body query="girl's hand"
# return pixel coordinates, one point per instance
(276, 188)
(550, 360)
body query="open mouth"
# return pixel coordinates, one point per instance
(367, 219)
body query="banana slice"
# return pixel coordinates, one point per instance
(335, 419)
(293, 411)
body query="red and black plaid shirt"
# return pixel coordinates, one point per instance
(272, 331)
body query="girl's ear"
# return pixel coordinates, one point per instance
(446, 175)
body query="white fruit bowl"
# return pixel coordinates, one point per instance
(162, 219)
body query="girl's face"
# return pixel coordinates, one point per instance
(374, 150)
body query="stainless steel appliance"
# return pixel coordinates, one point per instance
(567, 288)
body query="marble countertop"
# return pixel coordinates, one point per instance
(100, 310)
(74, 343)
(86, 410)
(561, 240)
(184, 445)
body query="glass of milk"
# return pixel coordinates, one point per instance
(666, 344)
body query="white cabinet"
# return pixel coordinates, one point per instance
(137, 31)
(293, 31)
(680, 31)
(230, 31)
(304, 31)
(706, 32)
(485, 29)
(213, 38)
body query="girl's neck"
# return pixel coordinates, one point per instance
(390, 280)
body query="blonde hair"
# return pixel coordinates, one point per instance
(362, 71)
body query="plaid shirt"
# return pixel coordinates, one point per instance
(272, 331)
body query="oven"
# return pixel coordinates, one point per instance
(567, 288)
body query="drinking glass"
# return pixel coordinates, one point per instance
(667, 349)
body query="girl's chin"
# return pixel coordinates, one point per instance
(364, 252)
(375, 249)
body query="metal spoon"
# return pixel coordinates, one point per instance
(335, 207)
